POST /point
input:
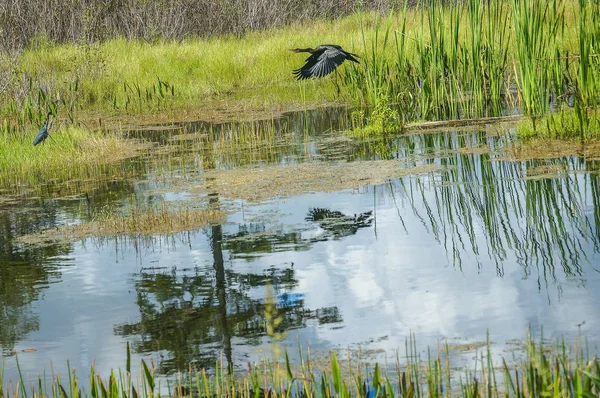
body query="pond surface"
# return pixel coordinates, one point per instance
(482, 243)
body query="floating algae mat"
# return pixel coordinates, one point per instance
(262, 183)
(149, 222)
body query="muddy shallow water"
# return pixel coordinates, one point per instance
(459, 241)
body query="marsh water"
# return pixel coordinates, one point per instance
(483, 242)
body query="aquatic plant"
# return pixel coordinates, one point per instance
(448, 61)
(383, 119)
(537, 24)
(579, 122)
(476, 59)
(588, 82)
(557, 370)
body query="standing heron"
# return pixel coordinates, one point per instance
(43, 133)
(322, 61)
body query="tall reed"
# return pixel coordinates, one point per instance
(537, 24)
(452, 64)
(588, 80)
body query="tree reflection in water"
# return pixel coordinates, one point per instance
(24, 274)
(482, 208)
(193, 318)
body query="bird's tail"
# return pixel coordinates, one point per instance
(352, 57)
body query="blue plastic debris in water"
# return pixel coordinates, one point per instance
(289, 299)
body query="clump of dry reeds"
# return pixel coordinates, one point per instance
(89, 20)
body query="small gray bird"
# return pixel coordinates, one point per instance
(43, 133)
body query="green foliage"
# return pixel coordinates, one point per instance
(382, 120)
(433, 60)
(537, 24)
(449, 61)
(133, 76)
(66, 154)
(582, 123)
(558, 371)
(473, 59)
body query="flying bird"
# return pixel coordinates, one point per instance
(43, 133)
(322, 61)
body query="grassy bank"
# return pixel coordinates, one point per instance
(72, 153)
(560, 370)
(433, 61)
(90, 83)
(567, 123)
(134, 76)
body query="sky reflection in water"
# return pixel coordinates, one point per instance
(444, 255)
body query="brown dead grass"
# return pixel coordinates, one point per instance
(546, 171)
(550, 149)
(463, 124)
(475, 150)
(213, 111)
(144, 223)
(256, 184)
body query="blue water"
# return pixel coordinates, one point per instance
(445, 255)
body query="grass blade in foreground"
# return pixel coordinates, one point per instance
(560, 371)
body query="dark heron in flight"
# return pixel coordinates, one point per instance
(43, 133)
(322, 61)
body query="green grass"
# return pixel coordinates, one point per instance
(256, 65)
(475, 59)
(431, 61)
(560, 370)
(568, 123)
(69, 153)
(435, 60)
(381, 120)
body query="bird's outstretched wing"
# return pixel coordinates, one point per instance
(322, 63)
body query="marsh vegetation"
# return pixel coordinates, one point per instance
(427, 61)
(542, 369)
(179, 205)
(433, 59)
(463, 194)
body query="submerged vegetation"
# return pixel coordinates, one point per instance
(559, 370)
